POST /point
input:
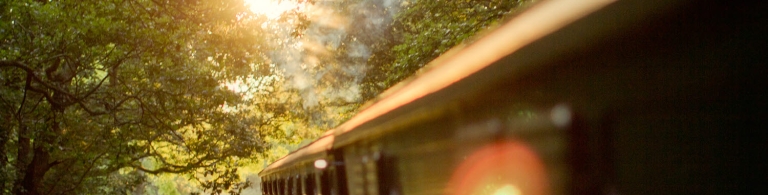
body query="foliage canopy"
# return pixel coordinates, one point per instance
(96, 94)
(424, 30)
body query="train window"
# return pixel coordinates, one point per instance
(265, 187)
(386, 170)
(300, 184)
(284, 186)
(293, 186)
(355, 169)
(325, 184)
(276, 187)
(273, 187)
(340, 173)
(309, 185)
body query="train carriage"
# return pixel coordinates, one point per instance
(568, 97)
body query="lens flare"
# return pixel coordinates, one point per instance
(505, 168)
(508, 190)
(321, 164)
(270, 8)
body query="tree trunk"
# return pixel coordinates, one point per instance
(23, 153)
(35, 172)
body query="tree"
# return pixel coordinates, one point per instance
(95, 94)
(424, 30)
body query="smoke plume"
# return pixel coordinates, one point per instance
(326, 61)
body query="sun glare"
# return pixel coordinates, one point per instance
(270, 8)
(508, 190)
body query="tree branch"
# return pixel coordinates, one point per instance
(31, 72)
(27, 85)
(83, 176)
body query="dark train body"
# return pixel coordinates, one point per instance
(582, 97)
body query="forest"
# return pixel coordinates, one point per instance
(197, 96)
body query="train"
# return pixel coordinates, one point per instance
(567, 97)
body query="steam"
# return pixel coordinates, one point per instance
(327, 62)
